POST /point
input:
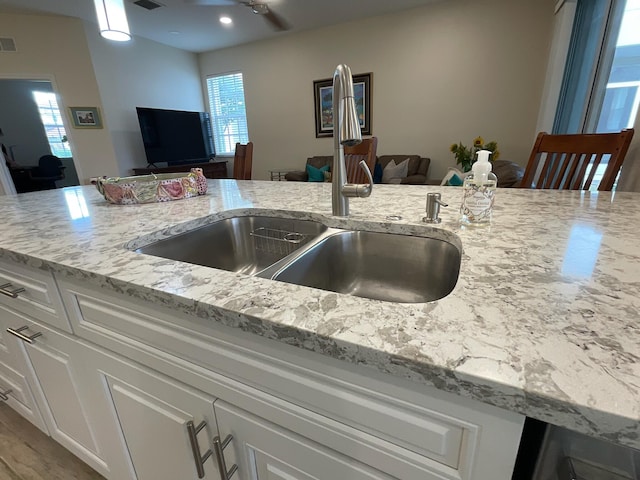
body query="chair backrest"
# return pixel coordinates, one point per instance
(242, 161)
(353, 155)
(50, 166)
(569, 162)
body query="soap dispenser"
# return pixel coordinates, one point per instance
(478, 191)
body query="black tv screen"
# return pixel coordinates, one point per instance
(175, 137)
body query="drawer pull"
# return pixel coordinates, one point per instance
(4, 290)
(4, 396)
(222, 465)
(27, 338)
(193, 431)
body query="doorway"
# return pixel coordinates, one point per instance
(33, 136)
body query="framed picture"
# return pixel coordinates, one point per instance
(85, 117)
(323, 100)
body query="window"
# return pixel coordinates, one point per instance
(52, 122)
(601, 90)
(226, 101)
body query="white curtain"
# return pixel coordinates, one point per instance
(6, 182)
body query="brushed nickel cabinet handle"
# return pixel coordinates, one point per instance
(27, 338)
(219, 447)
(4, 290)
(193, 431)
(4, 396)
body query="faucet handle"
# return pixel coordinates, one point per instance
(361, 190)
(365, 167)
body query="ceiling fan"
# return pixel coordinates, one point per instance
(259, 8)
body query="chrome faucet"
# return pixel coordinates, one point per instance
(346, 131)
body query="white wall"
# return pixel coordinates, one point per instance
(56, 48)
(442, 73)
(145, 74)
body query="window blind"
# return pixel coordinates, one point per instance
(229, 116)
(52, 123)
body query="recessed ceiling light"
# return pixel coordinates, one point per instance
(226, 20)
(174, 32)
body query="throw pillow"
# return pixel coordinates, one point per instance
(316, 174)
(395, 171)
(454, 181)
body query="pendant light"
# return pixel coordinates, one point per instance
(112, 19)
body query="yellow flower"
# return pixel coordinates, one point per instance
(453, 148)
(478, 142)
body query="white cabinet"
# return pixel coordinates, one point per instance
(32, 292)
(15, 391)
(147, 393)
(394, 426)
(265, 451)
(155, 413)
(147, 420)
(48, 360)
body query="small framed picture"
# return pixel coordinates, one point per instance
(85, 117)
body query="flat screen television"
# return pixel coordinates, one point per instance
(176, 137)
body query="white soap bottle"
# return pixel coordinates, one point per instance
(478, 192)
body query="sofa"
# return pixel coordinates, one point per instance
(509, 174)
(317, 162)
(416, 172)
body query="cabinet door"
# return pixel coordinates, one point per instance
(265, 451)
(17, 394)
(152, 413)
(49, 364)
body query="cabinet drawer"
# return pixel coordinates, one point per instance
(36, 294)
(20, 398)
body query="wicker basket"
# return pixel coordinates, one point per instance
(152, 188)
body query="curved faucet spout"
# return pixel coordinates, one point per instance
(346, 131)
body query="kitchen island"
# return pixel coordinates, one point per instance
(543, 320)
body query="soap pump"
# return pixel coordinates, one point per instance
(478, 191)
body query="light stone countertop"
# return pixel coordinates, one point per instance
(543, 320)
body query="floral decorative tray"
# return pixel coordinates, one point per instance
(152, 188)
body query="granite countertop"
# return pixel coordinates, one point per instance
(543, 320)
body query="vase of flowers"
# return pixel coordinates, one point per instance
(466, 156)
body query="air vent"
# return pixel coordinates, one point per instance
(148, 4)
(7, 44)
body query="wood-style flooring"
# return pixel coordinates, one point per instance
(28, 454)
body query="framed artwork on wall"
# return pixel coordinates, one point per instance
(323, 104)
(85, 117)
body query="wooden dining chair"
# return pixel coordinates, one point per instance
(569, 162)
(242, 161)
(353, 155)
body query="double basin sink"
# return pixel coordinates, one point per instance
(382, 266)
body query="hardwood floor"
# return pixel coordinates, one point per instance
(28, 454)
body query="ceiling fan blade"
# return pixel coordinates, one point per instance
(276, 21)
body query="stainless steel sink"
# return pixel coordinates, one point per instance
(383, 266)
(240, 244)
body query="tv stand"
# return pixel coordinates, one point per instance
(216, 169)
